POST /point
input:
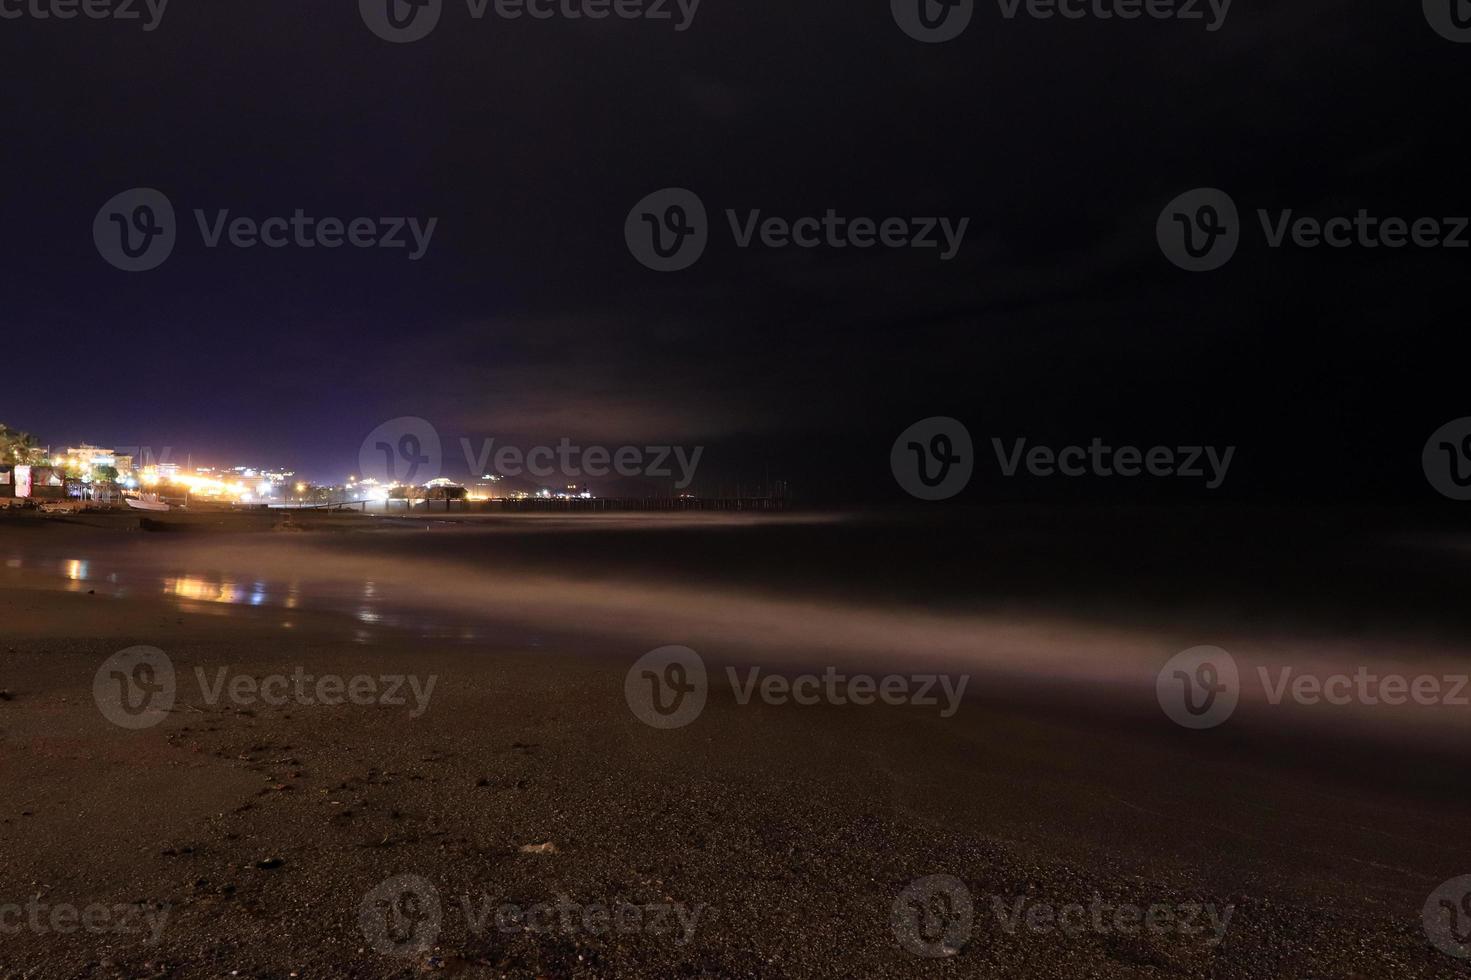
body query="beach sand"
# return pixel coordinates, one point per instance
(245, 838)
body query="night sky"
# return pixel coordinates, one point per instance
(529, 320)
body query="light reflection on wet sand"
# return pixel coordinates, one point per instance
(120, 573)
(405, 582)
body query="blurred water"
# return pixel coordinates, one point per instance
(1085, 596)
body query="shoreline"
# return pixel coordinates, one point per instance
(254, 832)
(522, 748)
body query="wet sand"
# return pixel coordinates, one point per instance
(792, 829)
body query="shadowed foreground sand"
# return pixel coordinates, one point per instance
(759, 841)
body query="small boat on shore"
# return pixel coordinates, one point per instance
(146, 501)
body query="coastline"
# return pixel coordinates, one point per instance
(784, 833)
(794, 828)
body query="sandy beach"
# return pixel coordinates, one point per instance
(545, 830)
(667, 490)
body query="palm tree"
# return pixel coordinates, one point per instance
(15, 445)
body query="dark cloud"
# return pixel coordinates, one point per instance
(530, 141)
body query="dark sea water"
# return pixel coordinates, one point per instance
(1060, 597)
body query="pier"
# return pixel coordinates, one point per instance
(554, 505)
